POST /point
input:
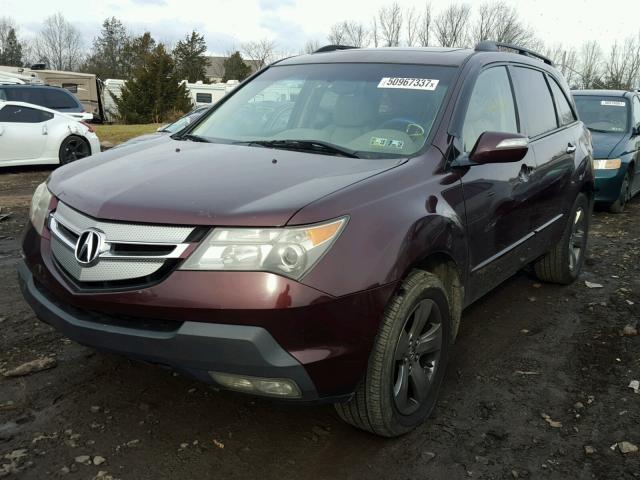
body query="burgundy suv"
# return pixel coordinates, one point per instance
(317, 234)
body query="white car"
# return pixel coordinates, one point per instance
(34, 135)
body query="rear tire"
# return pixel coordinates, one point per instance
(73, 148)
(625, 195)
(563, 263)
(407, 362)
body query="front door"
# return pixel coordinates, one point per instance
(497, 196)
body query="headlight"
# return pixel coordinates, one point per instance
(40, 207)
(290, 251)
(610, 164)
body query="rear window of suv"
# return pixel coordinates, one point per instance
(46, 97)
(376, 110)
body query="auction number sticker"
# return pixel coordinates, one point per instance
(409, 83)
(611, 103)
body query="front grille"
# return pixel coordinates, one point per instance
(130, 252)
(125, 321)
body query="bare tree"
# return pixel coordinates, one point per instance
(337, 35)
(59, 44)
(6, 24)
(412, 25)
(311, 46)
(260, 51)
(451, 25)
(425, 26)
(375, 31)
(356, 34)
(565, 60)
(390, 23)
(591, 65)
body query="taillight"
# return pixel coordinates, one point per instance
(91, 129)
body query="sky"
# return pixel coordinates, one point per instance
(291, 23)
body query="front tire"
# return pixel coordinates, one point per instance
(563, 263)
(73, 148)
(625, 195)
(408, 360)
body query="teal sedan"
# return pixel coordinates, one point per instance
(613, 117)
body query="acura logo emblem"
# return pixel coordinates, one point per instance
(89, 246)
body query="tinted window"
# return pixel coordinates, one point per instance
(565, 114)
(27, 95)
(203, 97)
(59, 99)
(72, 87)
(603, 114)
(377, 110)
(534, 100)
(491, 107)
(16, 114)
(636, 111)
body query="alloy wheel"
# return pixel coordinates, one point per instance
(75, 149)
(417, 356)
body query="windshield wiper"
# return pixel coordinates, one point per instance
(194, 138)
(599, 130)
(317, 146)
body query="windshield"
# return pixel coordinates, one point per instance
(603, 114)
(374, 110)
(183, 122)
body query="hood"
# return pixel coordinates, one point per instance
(190, 183)
(604, 144)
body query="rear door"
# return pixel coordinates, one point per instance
(554, 135)
(23, 133)
(498, 197)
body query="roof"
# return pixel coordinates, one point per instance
(421, 55)
(601, 93)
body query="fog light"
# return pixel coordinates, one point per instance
(273, 387)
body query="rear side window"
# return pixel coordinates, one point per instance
(491, 107)
(565, 113)
(59, 99)
(534, 100)
(18, 114)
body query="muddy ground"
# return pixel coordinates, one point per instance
(525, 351)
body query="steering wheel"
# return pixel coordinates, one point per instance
(407, 125)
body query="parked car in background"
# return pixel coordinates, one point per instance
(54, 98)
(175, 127)
(33, 135)
(613, 117)
(321, 247)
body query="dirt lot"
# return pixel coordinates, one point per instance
(524, 352)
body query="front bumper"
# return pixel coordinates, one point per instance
(608, 184)
(194, 348)
(247, 323)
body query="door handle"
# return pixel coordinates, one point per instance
(571, 148)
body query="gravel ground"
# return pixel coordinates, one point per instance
(537, 388)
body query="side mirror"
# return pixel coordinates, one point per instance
(499, 147)
(635, 131)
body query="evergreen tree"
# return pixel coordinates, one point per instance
(235, 68)
(137, 53)
(189, 55)
(108, 56)
(153, 94)
(12, 54)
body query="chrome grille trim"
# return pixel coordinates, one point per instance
(114, 262)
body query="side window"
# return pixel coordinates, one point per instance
(534, 100)
(57, 99)
(565, 113)
(17, 114)
(491, 107)
(636, 111)
(203, 97)
(25, 94)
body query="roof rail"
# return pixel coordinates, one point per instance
(333, 48)
(490, 46)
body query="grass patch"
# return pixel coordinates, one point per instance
(121, 133)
